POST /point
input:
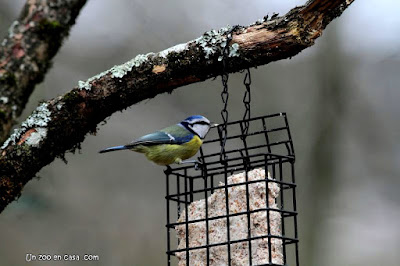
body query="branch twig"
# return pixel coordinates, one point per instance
(26, 53)
(62, 123)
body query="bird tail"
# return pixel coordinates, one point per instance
(116, 148)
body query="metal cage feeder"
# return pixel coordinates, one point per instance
(237, 206)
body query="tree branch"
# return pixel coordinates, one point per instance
(61, 124)
(26, 53)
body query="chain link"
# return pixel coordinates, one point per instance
(225, 94)
(246, 101)
(225, 97)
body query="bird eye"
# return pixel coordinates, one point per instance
(202, 123)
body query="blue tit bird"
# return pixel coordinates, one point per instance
(173, 144)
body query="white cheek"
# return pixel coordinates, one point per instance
(201, 130)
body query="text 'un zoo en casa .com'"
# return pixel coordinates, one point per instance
(61, 257)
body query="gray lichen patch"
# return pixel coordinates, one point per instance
(36, 137)
(38, 119)
(116, 71)
(11, 30)
(85, 85)
(214, 41)
(234, 51)
(3, 99)
(121, 70)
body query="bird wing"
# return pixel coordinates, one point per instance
(161, 137)
(153, 139)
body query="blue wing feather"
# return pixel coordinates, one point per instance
(154, 138)
(176, 134)
(116, 148)
(170, 135)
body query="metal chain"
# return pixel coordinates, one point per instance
(246, 101)
(225, 94)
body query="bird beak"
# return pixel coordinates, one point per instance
(214, 125)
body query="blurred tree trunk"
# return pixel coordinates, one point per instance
(330, 107)
(26, 53)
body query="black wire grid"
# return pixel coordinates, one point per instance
(260, 142)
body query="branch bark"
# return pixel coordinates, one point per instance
(26, 53)
(60, 124)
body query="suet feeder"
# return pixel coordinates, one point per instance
(237, 205)
(251, 192)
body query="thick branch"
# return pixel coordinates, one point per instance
(62, 123)
(26, 52)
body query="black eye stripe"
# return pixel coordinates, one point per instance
(200, 123)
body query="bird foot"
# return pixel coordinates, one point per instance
(195, 162)
(189, 161)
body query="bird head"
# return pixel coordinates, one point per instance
(198, 124)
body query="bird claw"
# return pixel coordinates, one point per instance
(197, 164)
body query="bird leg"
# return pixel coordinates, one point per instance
(195, 162)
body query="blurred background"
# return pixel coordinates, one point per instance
(341, 97)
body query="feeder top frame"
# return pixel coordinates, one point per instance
(265, 139)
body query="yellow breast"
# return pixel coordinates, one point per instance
(166, 154)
